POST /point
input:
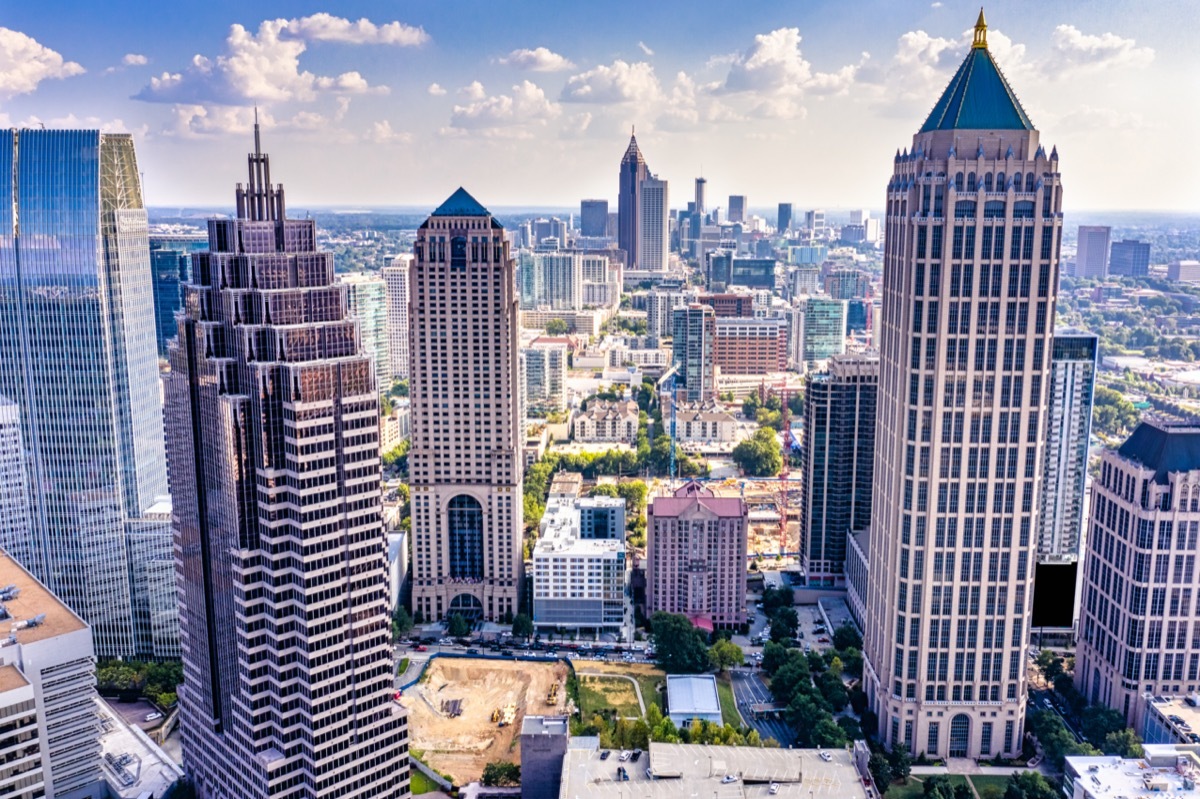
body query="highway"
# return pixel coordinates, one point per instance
(748, 690)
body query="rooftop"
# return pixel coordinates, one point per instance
(1165, 445)
(978, 97)
(692, 694)
(692, 494)
(1172, 768)
(461, 203)
(1182, 719)
(11, 678)
(670, 771)
(32, 601)
(545, 725)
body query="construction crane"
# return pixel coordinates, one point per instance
(786, 416)
(671, 470)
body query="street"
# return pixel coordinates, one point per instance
(749, 690)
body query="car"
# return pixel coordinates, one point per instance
(155, 716)
(774, 789)
(472, 651)
(728, 778)
(604, 754)
(625, 756)
(622, 774)
(420, 648)
(825, 756)
(822, 640)
(1190, 700)
(637, 754)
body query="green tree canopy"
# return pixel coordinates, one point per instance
(725, 654)
(760, 455)
(457, 626)
(679, 647)
(846, 637)
(556, 327)
(522, 625)
(501, 774)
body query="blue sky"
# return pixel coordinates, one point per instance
(530, 103)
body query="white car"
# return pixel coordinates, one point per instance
(728, 778)
(155, 716)
(625, 756)
(774, 789)
(825, 756)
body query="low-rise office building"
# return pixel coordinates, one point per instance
(607, 421)
(1172, 720)
(693, 697)
(1165, 768)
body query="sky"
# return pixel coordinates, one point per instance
(398, 102)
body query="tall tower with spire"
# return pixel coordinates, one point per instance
(272, 420)
(970, 273)
(633, 172)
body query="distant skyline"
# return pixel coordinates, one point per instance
(391, 104)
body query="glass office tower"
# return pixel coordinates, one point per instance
(77, 357)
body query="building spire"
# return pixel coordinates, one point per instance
(980, 42)
(257, 142)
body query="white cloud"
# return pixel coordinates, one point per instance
(619, 83)
(645, 48)
(527, 104)
(1071, 51)
(264, 66)
(936, 4)
(72, 122)
(322, 27)
(135, 60)
(540, 59)
(436, 90)
(381, 133)
(576, 125)
(473, 91)
(24, 63)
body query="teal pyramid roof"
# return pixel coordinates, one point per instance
(978, 98)
(461, 203)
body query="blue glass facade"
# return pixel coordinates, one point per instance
(78, 359)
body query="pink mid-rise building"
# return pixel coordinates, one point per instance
(696, 557)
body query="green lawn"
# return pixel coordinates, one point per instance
(729, 711)
(420, 784)
(649, 684)
(614, 694)
(914, 789)
(989, 786)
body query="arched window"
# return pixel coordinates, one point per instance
(987, 182)
(465, 536)
(1023, 209)
(960, 735)
(971, 182)
(958, 181)
(964, 209)
(1000, 181)
(993, 209)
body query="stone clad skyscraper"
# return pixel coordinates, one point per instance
(970, 272)
(273, 430)
(465, 462)
(629, 202)
(78, 359)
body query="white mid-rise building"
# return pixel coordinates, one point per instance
(50, 734)
(545, 374)
(367, 296)
(580, 572)
(654, 227)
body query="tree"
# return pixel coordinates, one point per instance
(1028, 785)
(760, 455)
(938, 786)
(901, 762)
(792, 678)
(870, 722)
(858, 700)
(522, 625)
(402, 622)
(501, 774)
(725, 654)
(834, 690)
(750, 406)
(1123, 743)
(851, 727)
(1050, 664)
(828, 733)
(852, 661)
(556, 327)
(1097, 721)
(846, 637)
(774, 656)
(680, 648)
(783, 625)
(457, 626)
(1112, 414)
(804, 715)
(881, 771)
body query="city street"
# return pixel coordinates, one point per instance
(749, 689)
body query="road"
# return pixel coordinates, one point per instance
(748, 689)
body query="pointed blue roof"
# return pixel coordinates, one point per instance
(461, 203)
(978, 98)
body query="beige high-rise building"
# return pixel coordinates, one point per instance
(465, 462)
(396, 278)
(970, 269)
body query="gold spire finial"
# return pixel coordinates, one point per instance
(980, 32)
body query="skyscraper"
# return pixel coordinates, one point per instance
(784, 218)
(1064, 476)
(1091, 256)
(629, 201)
(694, 351)
(170, 268)
(654, 225)
(465, 461)
(395, 276)
(593, 218)
(78, 357)
(838, 454)
(1139, 629)
(737, 208)
(1129, 258)
(968, 304)
(701, 188)
(273, 429)
(368, 303)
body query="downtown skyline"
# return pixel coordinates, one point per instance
(784, 102)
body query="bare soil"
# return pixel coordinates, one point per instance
(462, 746)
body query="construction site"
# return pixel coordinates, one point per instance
(465, 713)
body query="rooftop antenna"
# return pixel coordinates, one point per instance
(257, 142)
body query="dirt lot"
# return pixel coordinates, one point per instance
(462, 746)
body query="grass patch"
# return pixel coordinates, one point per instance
(989, 786)
(615, 694)
(650, 684)
(419, 783)
(913, 788)
(402, 666)
(729, 711)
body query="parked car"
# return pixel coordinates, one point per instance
(155, 716)
(604, 754)
(625, 756)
